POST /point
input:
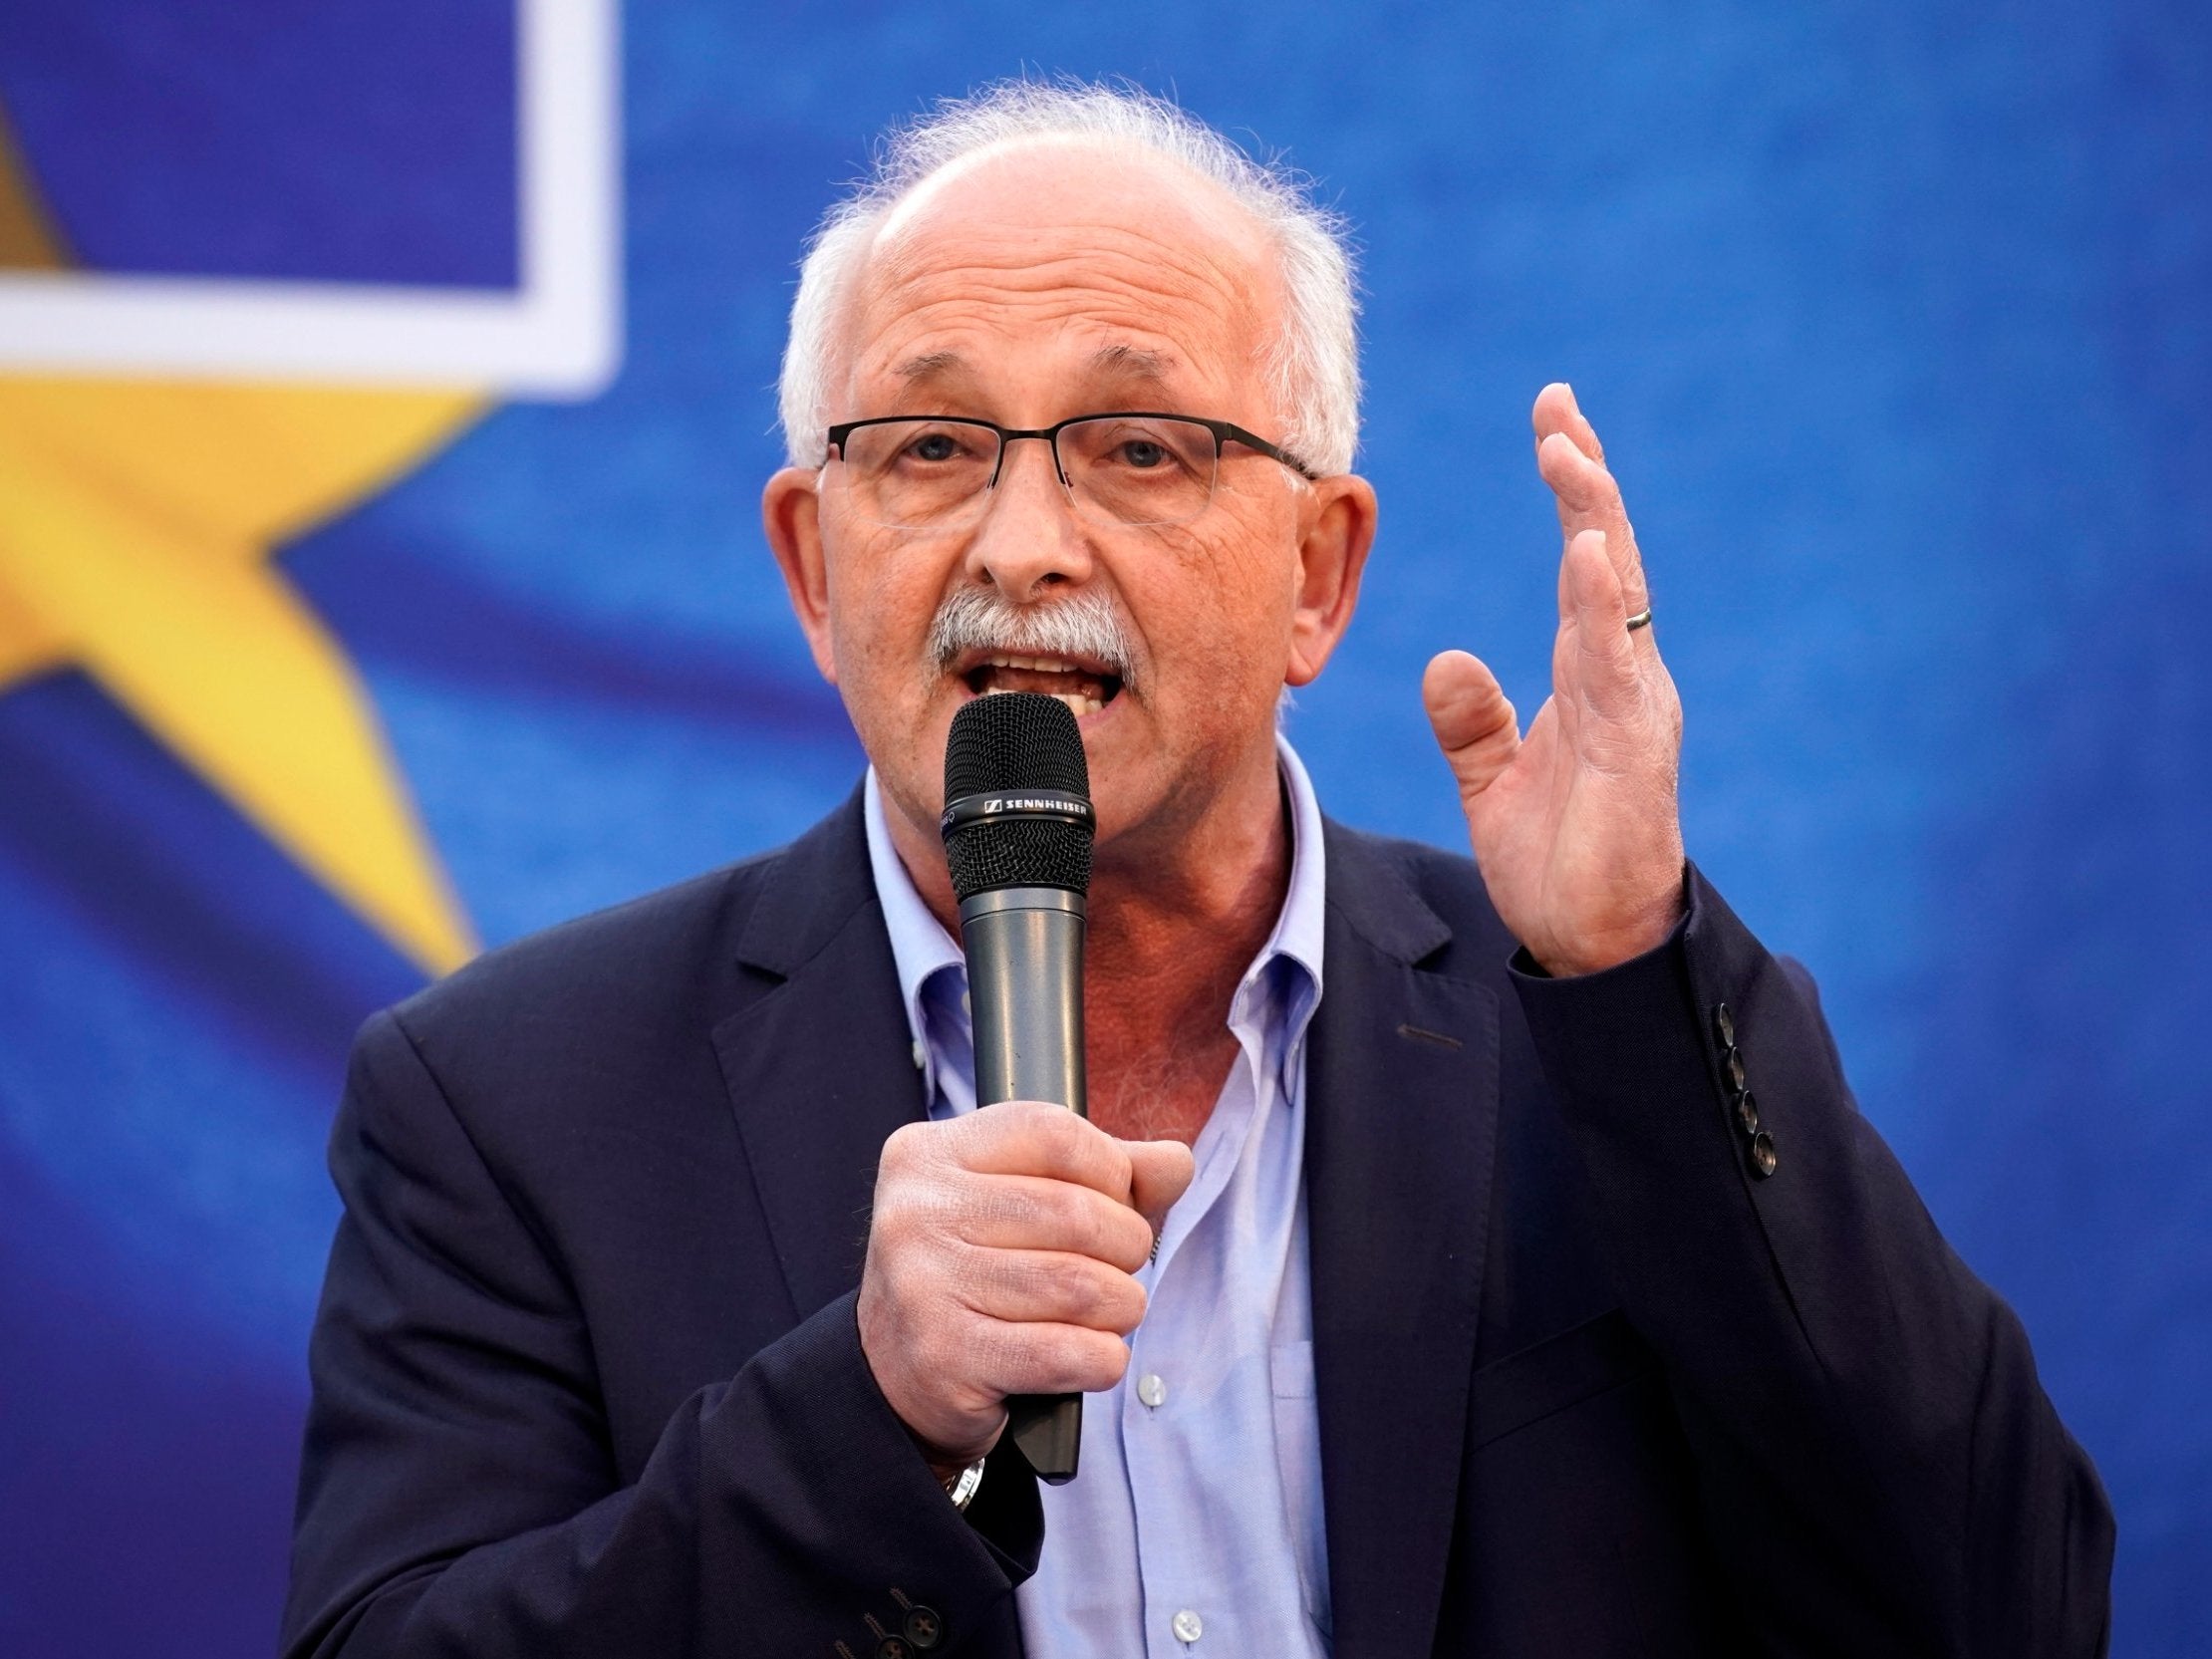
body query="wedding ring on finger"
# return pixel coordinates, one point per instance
(1642, 619)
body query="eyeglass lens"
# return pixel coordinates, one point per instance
(922, 474)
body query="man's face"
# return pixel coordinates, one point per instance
(1040, 284)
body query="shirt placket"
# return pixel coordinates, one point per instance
(1160, 1461)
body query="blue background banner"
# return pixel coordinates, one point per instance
(1896, 320)
(356, 140)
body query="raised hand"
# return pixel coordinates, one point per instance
(1576, 826)
(1001, 1254)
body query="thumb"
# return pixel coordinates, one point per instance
(1474, 723)
(1159, 1174)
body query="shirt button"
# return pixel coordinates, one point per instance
(1154, 1392)
(1187, 1626)
(920, 1056)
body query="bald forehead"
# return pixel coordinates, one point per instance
(1170, 270)
(1070, 160)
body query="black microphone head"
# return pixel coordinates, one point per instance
(1018, 794)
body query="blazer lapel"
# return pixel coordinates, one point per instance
(819, 1068)
(1401, 1125)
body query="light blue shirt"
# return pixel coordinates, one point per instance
(1195, 1527)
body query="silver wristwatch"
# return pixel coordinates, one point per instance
(961, 1488)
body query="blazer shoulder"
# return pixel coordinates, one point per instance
(1382, 868)
(1428, 869)
(619, 978)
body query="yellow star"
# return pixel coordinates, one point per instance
(137, 524)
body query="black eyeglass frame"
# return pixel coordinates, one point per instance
(1225, 432)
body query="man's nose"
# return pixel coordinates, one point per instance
(1029, 539)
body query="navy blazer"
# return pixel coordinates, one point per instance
(587, 1379)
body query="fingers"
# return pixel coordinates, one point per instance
(1052, 1287)
(1016, 1212)
(1557, 411)
(1474, 723)
(1043, 1358)
(1032, 1137)
(1572, 463)
(1160, 1173)
(1607, 679)
(1030, 1175)
(1052, 1213)
(1001, 1250)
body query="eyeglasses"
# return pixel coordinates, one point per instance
(1133, 467)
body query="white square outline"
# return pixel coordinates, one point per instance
(559, 335)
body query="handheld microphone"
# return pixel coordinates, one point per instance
(1018, 830)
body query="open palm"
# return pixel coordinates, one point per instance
(1575, 824)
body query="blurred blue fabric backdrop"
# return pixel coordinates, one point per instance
(1897, 321)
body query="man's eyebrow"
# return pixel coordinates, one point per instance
(932, 366)
(1120, 362)
(1130, 362)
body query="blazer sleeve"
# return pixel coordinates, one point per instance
(1879, 1468)
(457, 1494)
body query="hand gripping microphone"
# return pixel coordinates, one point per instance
(1017, 831)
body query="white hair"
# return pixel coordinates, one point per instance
(1311, 368)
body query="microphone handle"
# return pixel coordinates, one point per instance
(1024, 949)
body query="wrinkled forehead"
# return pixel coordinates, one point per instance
(1051, 255)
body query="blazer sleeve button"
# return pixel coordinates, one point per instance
(1762, 1160)
(1731, 1068)
(924, 1628)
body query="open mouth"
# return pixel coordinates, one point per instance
(1085, 688)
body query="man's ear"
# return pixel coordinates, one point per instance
(1336, 528)
(791, 514)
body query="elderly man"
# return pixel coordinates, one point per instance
(1470, 1259)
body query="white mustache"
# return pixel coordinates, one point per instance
(979, 620)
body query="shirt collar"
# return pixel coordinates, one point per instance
(919, 946)
(921, 949)
(1303, 920)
